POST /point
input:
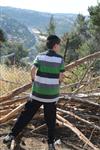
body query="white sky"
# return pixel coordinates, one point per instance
(52, 6)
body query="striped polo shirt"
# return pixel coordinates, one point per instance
(46, 83)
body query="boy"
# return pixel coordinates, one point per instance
(46, 73)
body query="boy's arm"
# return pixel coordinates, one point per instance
(34, 68)
(61, 76)
(33, 72)
(62, 69)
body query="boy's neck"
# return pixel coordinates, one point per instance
(53, 50)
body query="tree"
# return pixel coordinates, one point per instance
(8, 49)
(94, 12)
(51, 27)
(81, 27)
(41, 45)
(20, 52)
(2, 36)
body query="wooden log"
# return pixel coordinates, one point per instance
(79, 118)
(77, 83)
(15, 92)
(11, 101)
(82, 60)
(76, 90)
(93, 95)
(72, 146)
(66, 123)
(11, 114)
(80, 82)
(94, 117)
(13, 106)
(11, 120)
(10, 82)
(39, 127)
(4, 112)
(7, 107)
(90, 96)
(77, 99)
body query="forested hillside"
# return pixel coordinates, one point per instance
(78, 108)
(16, 32)
(82, 40)
(40, 20)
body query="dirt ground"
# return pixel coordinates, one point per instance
(28, 140)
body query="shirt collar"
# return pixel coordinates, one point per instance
(52, 51)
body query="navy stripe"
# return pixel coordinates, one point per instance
(63, 70)
(47, 75)
(45, 85)
(45, 96)
(51, 64)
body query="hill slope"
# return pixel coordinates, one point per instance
(40, 20)
(16, 31)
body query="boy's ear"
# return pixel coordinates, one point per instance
(55, 45)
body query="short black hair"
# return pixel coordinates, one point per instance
(52, 40)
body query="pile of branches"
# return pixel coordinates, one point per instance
(78, 111)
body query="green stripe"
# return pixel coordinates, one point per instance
(49, 69)
(45, 91)
(62, 66)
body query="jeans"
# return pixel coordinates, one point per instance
(31, 107)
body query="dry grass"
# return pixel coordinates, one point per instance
(12, 77)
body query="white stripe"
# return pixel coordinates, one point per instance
(44, 100)
(46, 80)
(50, 58)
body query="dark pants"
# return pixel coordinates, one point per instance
(29, 111)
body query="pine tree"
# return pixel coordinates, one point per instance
(2, 36)
(52, 26)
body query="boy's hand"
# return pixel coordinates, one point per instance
(33, 73)
(32, 81)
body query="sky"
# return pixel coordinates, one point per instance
(52, 6)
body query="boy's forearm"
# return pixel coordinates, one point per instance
(61, 77)
(33, 72)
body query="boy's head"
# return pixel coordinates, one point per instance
(53, 42)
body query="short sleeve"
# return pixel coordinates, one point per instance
(62, 69)
(36, 62)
